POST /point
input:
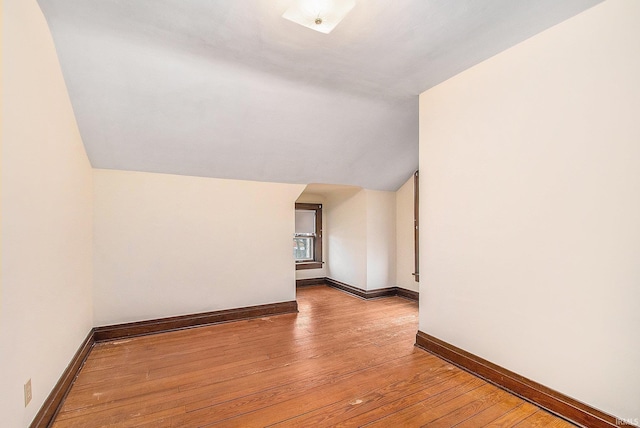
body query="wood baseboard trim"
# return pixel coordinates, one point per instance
(309, 282)
(408, 294)
(53, 402)
(365, 294)
(162, 325)
(540, 395)
(372, 294)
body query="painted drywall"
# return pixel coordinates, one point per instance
(180, 109)
(313, 198)
(168, 245)
(311, 273)
(361, 237)
(46, 303)
(405, 237)
(346, 253)
(529, 208)
(381, 239)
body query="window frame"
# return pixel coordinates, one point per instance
(416, 226)
(317, 262)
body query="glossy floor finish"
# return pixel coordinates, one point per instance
(341, 361)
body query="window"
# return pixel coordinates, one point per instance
(307, 241)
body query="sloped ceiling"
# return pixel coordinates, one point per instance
(230, 89)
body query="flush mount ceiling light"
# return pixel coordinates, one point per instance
(319, 15)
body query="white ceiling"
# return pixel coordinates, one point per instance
(230, 89)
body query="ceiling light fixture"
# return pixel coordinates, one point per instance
(319, 15)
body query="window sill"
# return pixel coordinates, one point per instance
(308, 265)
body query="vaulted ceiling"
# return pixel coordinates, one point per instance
(230, 89)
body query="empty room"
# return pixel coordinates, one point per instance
(320, 213)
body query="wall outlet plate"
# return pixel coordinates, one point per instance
(27, 393)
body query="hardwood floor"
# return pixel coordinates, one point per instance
(341, 361)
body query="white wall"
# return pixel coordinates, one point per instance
(361, 238)
(381, 239)
(530, 212)
(46, 308)
(312, 198)
(311, 273)
(405, 237)
(169, 245)
(346, 251)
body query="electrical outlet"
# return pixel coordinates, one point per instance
(27, 393)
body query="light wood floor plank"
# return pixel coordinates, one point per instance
(514, 417)
(341, 361)
(490, 414)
